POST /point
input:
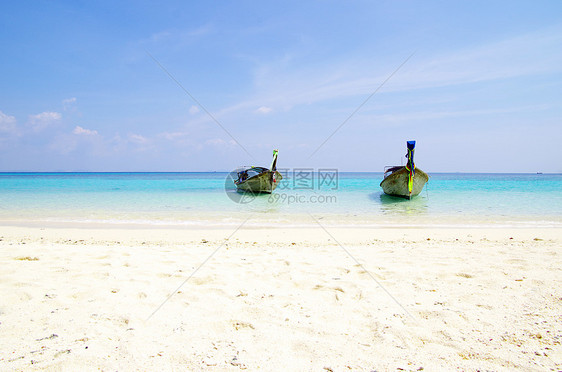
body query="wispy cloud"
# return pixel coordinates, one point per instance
(194, 110)
(79, 139)
(7, 123)
(219, 142)
(177, 37)
(280, 84)
(157, 37)
(43, 120)
(91, 142)
(524, 55)
(78, 130)
(137, 139)
(416, 116)
(264, 110)
(173, 136)
(68, 103)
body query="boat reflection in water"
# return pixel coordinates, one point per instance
(398, 206)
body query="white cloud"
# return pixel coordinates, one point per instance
(219, 142)
(193, 110)
(81, 139)
(264, 110)
(67, 103)
(85, 132)
(201, 31)
(283, 84)
(410, 117)
(159, 36)
(138, 139)
(171, 136)
(43, 120)
(69, 100)
(7, 123)
(524, 55)
(175, 38)
(47, 116)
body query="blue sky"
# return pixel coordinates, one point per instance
(84, 87)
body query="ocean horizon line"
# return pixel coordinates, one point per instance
(226, 172)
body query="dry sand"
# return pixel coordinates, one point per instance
(281, 299)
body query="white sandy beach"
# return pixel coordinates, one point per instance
(281, 299)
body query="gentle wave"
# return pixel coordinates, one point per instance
(297, 221)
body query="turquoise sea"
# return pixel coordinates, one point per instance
(201, 199)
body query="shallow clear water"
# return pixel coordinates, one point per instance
(347, 198)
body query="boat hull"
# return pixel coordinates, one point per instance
(261, 183)
(396, 183)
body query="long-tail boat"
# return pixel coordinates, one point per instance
(404, 181)
(259, 179)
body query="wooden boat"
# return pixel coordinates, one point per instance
(259, 179)
(404, 181)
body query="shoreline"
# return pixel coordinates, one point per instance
(364, 231)
(260, 220)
